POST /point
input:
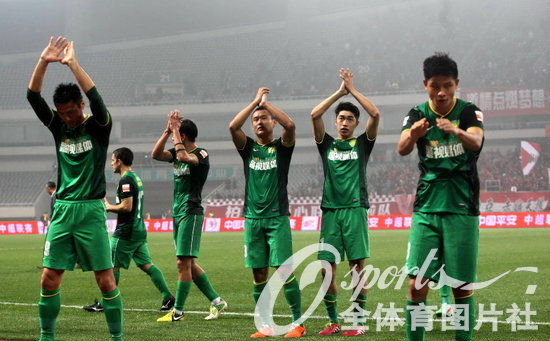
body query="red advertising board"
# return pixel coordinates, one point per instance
(307, 223)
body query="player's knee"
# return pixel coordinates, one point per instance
(105, 280)
(418, 289)
(460, 293)
(184, 264)
(50, 279)
(260, 275)
(145, 267)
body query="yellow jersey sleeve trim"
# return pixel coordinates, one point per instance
(108, 120)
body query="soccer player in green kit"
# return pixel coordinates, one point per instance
(448, 133)
(129, 240)
(191, 165)
(267, 235)
(78, 226)
(345, 199)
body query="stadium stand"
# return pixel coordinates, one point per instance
(22, 188)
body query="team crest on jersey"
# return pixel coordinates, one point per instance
(182, 169)
(271, 150)
(433, 143)
(352, 143)
(455, 123)
(203, 153)
(76, 147)
(125, 188)
(479, 116)
(445, 150)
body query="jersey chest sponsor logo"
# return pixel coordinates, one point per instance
(180, 170)
(335, 155)
(261, 165)
(436, 150)
(75, 147)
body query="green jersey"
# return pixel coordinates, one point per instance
(448, 173)
(130, 225)
(188, 183)
(266, 176)
(344, 167)
(81, 151)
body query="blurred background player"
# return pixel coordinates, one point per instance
(129, 240)
(267, 235)
(345, 199)
(78, 228)
(448, 133)
(191, 167)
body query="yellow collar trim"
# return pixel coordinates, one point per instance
(448, 112)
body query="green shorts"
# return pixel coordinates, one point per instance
(187, 235)
(78, 231)
(454, 237)
(123, 251)
(267, 242)
(347, 230)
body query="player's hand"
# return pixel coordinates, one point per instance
(419, 128)
(347, 78)
(52, 52)
(106, 203)
(263, 101)
(261, 91)
(342, 89)
(69, 55)
(447, 126)
(174, 120)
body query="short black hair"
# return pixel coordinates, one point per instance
(347, 106)
(189, 128)
(258, 108)
(440, 64)
(51, 184)
(125, 155)
(67, 92)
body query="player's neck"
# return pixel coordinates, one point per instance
(264, 139)
(124, 170)
(189, 146)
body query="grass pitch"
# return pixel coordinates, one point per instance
(222, 257)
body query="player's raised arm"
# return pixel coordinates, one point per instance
(372, 110)
(159, 153)
(179, 145)
(235, 127)
(50, 54)
(99, 110)
(321, 108)
(289, 128)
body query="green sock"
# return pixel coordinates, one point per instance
(181, 294)
(112, 303)
(361, 301)
(116, 273)
(293, 297)
(48, 309)
(258, 288)
(467, 335)
(418, 333)
(158, 280)
(445, 293)
(205, 287)
(330, 305)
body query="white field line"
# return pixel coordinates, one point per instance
(236, 314)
